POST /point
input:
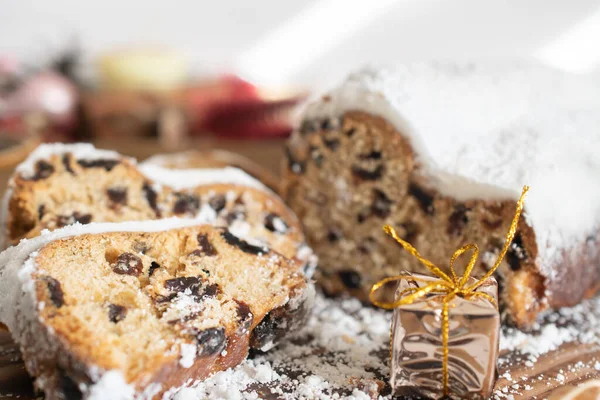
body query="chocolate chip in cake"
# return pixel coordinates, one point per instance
(457, 220)
(242, 244)
(55, 290)
(275, 223)
(423, 198)
(43, 170)
(153, 267)
(334, 234)
(217, 202)
(69, 390)
(206, 247)
(350, 278)
(350, 132)
(516, 254)
(244, 316)
(108, 165)
(117, 195)
(151, 197)
(368, 174)
(128, 264)
(183, 283)
(66, 160)
(211, 341)
(186, 203)
(296, 166)
(382, 205)
(116, 313)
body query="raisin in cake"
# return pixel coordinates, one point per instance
(130, 310)
(441, 152)
(60, 184)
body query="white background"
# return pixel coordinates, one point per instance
(308, 42)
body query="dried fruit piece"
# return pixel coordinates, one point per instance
(117, 195)
(516, 253)
(186, 203)
(153, 267)
(457, 220)
(350, 278)
(245, 316)
(332, 144)
(217, 202)
(151, 197)
(43, 170)
(55, 290)
(108, 165)
(296, 166)
(183, 283)
(210, 341)
(424, 198)
(334, 234)
(116, 313)
(382, 205)
(308, 126)
(128, 264)
(206, 247)
(368, 174)
(64, 220)
(275, 223)
(66, 160)
(242, 244)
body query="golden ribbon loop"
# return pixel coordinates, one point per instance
(449, 286)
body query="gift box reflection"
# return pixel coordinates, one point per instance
(417, 347)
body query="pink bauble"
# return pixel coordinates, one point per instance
(46, 92)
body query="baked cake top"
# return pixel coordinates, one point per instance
(483, 130)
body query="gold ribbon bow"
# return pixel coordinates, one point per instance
(449, 286)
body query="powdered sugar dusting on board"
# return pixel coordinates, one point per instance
(485, 130)
(343, 354)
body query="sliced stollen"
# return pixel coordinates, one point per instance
(131, 310)
(60, 184)
(440, 151)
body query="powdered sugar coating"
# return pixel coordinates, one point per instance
(485, 130)
(187, 178)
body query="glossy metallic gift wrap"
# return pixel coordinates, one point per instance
(417, 347)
